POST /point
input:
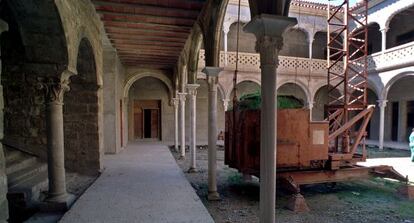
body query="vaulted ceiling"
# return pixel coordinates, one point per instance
(148, 32)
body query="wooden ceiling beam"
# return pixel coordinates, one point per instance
(146, 43)
(178, 4)
(147, 26)
(115, 36)
(110, 16)
(103, 6)
(145, 32)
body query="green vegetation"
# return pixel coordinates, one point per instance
(253, 101)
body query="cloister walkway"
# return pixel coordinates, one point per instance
(143, 183)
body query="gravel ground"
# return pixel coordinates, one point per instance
(373, 200)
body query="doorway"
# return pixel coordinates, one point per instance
(147, 118)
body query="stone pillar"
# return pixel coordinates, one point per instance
(175, 102)
(225, 32)
(4, 207)
(402, 121)
(226, 104)
(310, 47)
(382, 104)
(268, 30)
(384, 39)
(212, 78)
(55, 90)
(181, 97)
(192, 92)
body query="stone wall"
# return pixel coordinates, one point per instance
(149, 88)
(113, 94)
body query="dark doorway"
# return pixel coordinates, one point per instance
(147, 119)
(394, 123)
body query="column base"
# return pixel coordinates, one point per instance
(192, 170)
(297, 204)
(213, 196)
(181, 157)
(60, 203)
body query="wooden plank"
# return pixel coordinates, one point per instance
(156, 20)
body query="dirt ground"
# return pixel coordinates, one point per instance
(373, 200)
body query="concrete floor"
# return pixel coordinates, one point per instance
(141, 184)
(403, 165)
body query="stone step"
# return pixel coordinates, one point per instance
(20, 163)
(12, 154)
(24, 174)
(30, 189)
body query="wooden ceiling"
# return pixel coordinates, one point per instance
(149, 33)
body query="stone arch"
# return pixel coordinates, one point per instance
(222, 91)
(297, 45)
(396, 12)
(399, 26)
(301, 85)
(388, 85)
(158, 75)
(319, 45)
(82, 115)
(32, 49)
(320, 99)
(244, 86)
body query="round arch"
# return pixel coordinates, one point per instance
(393, 14)
(392, 81)
(160, 76)
(300, 84)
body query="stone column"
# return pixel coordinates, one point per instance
(55, 90)
(226, 104)
(225, 32)
(310, 47)
(4, 207)
(382, 104)
(402, 121)
(192, 92)
(268, 30)
(212, 78)
(384, 39)
(175, 102)
(181, 97)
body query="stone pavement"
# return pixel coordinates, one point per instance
(141, 184)
(389, 144)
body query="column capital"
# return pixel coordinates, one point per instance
(384, 29)
(226, 104)
(212, 71)
(54, 89)
(175, 102)
(269, 30)
(192, 89)
(382, 103)
(269, 25)
(310, 104)
(181, 96)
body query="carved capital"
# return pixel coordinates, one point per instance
(181, 96)
(175, 102)
(269, 48)
(54, 88)
(382, 103)
(192, 89)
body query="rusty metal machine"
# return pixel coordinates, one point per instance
(310, 152)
